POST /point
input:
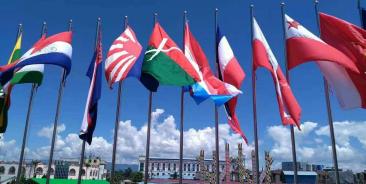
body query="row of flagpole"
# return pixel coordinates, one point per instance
(147, 155)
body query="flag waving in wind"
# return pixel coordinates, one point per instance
(55, 50)
(230, 72)
(351, 40)
(290, 110)
(91, 108)
(164, 63)
(122, 56)
(209, 86)
(303, 46)
(6, 89)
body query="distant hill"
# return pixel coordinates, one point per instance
(121, 167)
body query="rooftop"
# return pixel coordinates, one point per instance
(68, 181)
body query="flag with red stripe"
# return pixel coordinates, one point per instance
(263, 56)
(230, 72)
(91, 108)
(350, 40)
(303, 46)
(122, 56)
(209, 86)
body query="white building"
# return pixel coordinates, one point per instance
(93, 169)
(165, 168)
(9, 170)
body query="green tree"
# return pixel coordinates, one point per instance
(127, 173)
(136, 176)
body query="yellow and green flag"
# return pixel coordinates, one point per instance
(6, 90)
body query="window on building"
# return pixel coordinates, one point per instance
(189, 167)
(168, 166)
(158, 166)
(83, 172)
(152, 166)
(163, 166)
(11, 170)
(193, 167)
(39, 171)
(52, 172)
(142, 166)
(174, 167)
(72, 172)
(90, 173)
(184, 167)
(2, 169)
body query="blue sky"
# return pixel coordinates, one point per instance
(306, 81)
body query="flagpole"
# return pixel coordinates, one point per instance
(147, 154)
(254, 91)
(26, 127)
(116, 126)
(216, 110)
(360, 12)
(293, 143)
(82, 155)
(58, 108)
(182, 112)
(329, 108)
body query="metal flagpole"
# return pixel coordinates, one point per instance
(82, 155)
(147, 154)
(293, 143)
(81, 161)
(116, 126)
(26, 127)
(182, 113)
(329, 109)
(360, 12)
(256, 170)
(216, 110)
(58, 108)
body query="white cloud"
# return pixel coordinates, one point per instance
(132, 141)
(312, 144)
(8, 149)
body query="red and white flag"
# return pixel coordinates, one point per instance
(353, 44)
(209, 86)
(290, 110)
(121, 57)
(232, 73)
(303, 46)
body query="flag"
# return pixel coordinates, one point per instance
(164, 63)
(230, 72)
(6, 91)
(350, 40)
(91, 108)
(363, 18)
(56, 50)
(209, 86)
(303, 46)
(263, 56)
(122, 56)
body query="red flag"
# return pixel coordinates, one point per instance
(230, 72)
(290, 110)
(351, 40)
(303, 46)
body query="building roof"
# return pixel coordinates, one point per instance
(68, 181)
(304, 173)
